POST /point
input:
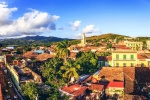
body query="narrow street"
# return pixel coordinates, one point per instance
(9, 92)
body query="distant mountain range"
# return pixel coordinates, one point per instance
(47, 40)
(31, 39)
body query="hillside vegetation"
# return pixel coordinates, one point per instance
(41, 40)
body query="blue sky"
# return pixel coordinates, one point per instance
(69, 18)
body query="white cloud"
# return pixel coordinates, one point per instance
(31, 23)
(5, 13)
(90, 29)
(75, 25)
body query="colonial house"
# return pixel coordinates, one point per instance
(30, 55)
(75, 48)
(74, 91)
(115, 88)
(124, 58)
(134, 45)
(108, 74)
(44, 57)
(127, 59)
(148, 44)
(98, 90)
(103, 60)
(120, 48)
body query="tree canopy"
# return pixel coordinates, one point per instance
(88, 62)
(30, 90)
(62, 50)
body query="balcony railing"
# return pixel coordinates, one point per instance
(127, 59)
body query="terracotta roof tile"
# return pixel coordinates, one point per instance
(85, 49)
(1, 97)
(116, 84)
(30, 54)
(96, 87)
(73, 54)
(121, 47)
(74, 89)
(111, 74)
(142, 56)
(44, 56)
(130, 51)
(109, 58)
(129, 72)
(121, 43)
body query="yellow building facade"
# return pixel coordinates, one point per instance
(134, 45)
(115, 90)
(128, 59)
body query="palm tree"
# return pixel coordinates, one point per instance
(70, 70)
(62, 50)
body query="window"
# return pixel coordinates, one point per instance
(117, 64)
(124, 57)
(117, 56)
(142, 64)
(132, 64)
(132, 57)
(124, 64)
(148, 63)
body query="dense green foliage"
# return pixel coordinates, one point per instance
(30, 89)
(109, 46)
(106, 37)
(62, 50)
(70, 69)
(52, 73)
(88, 62)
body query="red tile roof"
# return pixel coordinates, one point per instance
(30, 54)
(109, 58)
(1, 97)
(129, 72)
(121, 43)
(121, 47)
(96, 87)
(85, 49)
(142, 56)
(111, 74)
(116, 84)
(75, 89)
(127, 51)
(44, 56)
(73, 54)
(75, 47)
